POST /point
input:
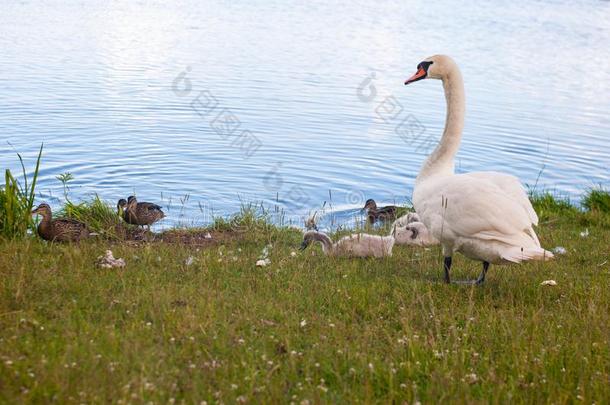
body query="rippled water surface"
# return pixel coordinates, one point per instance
(126, 96)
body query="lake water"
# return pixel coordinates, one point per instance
(127, 98)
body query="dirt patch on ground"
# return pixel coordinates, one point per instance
(198, 238)
(190, 237)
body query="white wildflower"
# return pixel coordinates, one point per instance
(549, 282)
(584, 233)
(189, 260)
(303, 323)
(560, 250)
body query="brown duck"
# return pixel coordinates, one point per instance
(374, 213)
(139, 213)
(60, 229)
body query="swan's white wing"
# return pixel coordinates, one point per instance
(476, 208)
(512, 187)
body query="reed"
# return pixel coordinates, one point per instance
(17, 200)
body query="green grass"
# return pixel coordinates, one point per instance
(597, 199)
(306, 327)
(100, 216)
(549, 204)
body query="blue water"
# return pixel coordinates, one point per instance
(126, 95)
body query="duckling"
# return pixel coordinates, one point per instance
(141, 213)
(406, 220)
(387, 213)
(355, 245)
(60, 229)
(414, 233)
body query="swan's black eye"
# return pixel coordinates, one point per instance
(424, 65)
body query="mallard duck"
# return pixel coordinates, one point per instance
(139, 213)
(387, 213)
(60, 229)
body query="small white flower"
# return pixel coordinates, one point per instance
(549, 282)
(189, 260)
(584, 233)
(207, 236)
(560, 250)
(293, 254)
(263, 262)
(303, 323)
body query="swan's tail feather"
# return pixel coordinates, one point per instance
(518, 255)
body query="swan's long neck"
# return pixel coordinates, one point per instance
(327, 243)
(440, 162)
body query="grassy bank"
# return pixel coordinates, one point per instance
(184, 323)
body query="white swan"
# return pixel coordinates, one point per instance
(355, 245)
(414, 233)
(484, 215)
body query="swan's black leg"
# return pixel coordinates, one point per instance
(447, 267)
(481, 278)
(478, 281)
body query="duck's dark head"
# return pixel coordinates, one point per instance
(43, 209)
(370, 204)
(121, 205)
(131, 202)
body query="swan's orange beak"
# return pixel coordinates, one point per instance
(420, 74)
